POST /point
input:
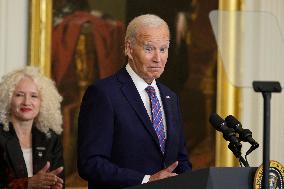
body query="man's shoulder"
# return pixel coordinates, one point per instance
(111, 81)
(165, 89)
(106, 82)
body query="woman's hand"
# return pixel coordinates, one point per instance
(46, 179)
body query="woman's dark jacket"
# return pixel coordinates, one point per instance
(13, 171)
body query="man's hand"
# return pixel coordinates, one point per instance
(46, 179)
(165, 173)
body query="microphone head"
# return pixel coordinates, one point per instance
(232, 122)
(228, 133)
(217, 122)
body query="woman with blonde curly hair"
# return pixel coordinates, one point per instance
(30, 125)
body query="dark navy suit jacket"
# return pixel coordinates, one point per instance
(117, 145)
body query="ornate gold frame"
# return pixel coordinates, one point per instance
(40, 39)
(40, 55)
(40, 35)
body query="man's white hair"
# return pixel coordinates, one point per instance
(146, 20)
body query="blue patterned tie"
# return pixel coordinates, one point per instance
(157, 118)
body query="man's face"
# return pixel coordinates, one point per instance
(149, 54)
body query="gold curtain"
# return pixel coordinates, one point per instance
(228, 96)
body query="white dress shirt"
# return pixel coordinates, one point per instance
(28, 157)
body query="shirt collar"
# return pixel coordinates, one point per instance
(138, 81)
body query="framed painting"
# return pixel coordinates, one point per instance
(67, 48)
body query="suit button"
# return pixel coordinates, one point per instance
(164, 165)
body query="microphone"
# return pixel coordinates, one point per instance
(228, 133)
(244, 134)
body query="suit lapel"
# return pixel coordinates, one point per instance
(168, 104)
(16, 154)
(130, 92)
(39, 150)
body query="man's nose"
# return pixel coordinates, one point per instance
(157, 56)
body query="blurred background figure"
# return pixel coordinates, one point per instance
(87, 45)
(31, 152)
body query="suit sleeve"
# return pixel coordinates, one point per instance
(57, 156)
(184, 164)
(96, 129)
(7, 178)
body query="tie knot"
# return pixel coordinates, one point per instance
(150, 90)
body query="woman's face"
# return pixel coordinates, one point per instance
(25, 103)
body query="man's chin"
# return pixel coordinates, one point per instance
(155, 77)
(152, 77)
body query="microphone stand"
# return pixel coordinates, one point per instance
(266, 88)
(237, 152)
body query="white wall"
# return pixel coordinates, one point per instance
(252, 105)
(13, 34)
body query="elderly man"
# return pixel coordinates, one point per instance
(130, 127)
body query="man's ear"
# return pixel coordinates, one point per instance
(128, 49)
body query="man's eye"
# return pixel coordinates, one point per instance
(148, 49)
(34, 96)
(163, 50)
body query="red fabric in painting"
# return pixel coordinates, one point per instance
(108, 38)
